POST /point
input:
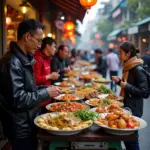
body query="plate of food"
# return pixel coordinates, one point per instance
(120, 124)
(95, 102)
(102, 80)
(87, 91)
(63, 84)
(68, 97)
(75, 82)
(73, 73)
(115, 97)
(110, 109)
(61, 123)
(68, 90)
(67, 107)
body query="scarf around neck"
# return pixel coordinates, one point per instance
(127, 66)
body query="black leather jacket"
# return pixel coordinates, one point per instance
(135, 90)
(58, 65)
(101, 66)
(19, 96)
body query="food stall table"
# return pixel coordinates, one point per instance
(89, 139)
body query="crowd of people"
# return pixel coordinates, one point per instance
(31, 67)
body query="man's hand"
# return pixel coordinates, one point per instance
(53, 91)
(52, 76)
(67, 69)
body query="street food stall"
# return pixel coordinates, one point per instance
(86, 115)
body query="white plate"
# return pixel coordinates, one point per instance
(77, 98)
(102, 96)
(49, 105)
(88, 103)
(125, 110)
(105, 96)
(58, 132)
(65, 79)
(59, 84)
(120, 98)
(85, 73)
(126, 131)
(101, 81)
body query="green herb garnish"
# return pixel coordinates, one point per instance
(87, 86)
(104, 90)
(86, 115)
(106, 102)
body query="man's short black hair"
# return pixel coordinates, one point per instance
(28, 25)
(98, 51)
(61, 47)
(111, 50)
(47, 40)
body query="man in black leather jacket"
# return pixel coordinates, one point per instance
(59, 63)
(19, 96)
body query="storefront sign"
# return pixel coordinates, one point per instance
(116, 13)
(133, 30)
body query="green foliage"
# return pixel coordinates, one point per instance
(128, 23)
(104, 26)
(143, 11)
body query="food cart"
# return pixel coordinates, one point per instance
(95, 136)
(90, 139)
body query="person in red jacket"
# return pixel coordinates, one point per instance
(42, 69)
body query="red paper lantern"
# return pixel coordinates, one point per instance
(69, 34)
(97, 36)
(124, 38)
(69, 26)
(88, 3)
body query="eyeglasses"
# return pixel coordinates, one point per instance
(39, 40)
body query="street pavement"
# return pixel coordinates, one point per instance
(144, 134)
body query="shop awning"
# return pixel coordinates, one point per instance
(146, 20)
(113, 34)
(73, 7)
(134, 29)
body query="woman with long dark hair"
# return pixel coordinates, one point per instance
(133, 84)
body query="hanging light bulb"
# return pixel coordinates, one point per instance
(8, 20)
(24, 7)
(49, 34)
